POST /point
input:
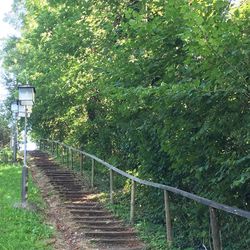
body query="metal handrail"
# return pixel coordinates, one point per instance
(211, 204)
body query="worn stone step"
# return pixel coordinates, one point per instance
(69, 187)
(93, 218)
(57, 172)
(116, 241)
(84, 207)
(64, 181)
(81, 199)
(111, 234)
(90, 212)
(72, 193)
(102, 222)
(124, 248)
(103, 227)
(46, 165)
(66, 185)
(73, 196)
(76, 203)
(60, 177)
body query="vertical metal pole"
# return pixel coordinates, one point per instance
(92, 172)
(25, 170)
(12, 140)
(132, 203)
(168, 218)
(215, 229)
(111, 186)
(15, 138)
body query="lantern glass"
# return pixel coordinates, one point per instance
(26, 95)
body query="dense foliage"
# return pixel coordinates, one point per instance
(159, 88)
(4, 132)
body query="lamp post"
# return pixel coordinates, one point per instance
(14, 109)
(26, 99)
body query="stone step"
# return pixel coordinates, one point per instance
(100, 222)
(124, 248)
(68, 187)
(81, 199)
(84, 207)
(64, 181)
(126, 235)
(74, 193)
(103, 227)
(116, 241)
(60, 173)
(59, 177)
(90, 212)
(93, 218)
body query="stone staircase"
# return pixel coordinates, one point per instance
(97, 224)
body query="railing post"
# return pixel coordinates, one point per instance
(62, 154)
(56, 150)
(132, 203)
(52, 148)
(81, 163)
(215, 229)
(92, 172)
(67, 156)
(111, 186)
(72, 158)
(168, 218)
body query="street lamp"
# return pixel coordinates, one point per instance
(26, 99)
(14, 109)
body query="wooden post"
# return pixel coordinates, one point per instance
(92, 172)
(72, 159)
(168, 218)
(215, 229)
(67, 157)
(62, 155)
(132, 203)
(51, 147)
(81, 163)
(111, 186)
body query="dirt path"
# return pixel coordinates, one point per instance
(74, 210)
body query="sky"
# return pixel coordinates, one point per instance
(5, 31)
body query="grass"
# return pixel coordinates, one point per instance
(20, 229)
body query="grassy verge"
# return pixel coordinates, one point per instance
(20, 229)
